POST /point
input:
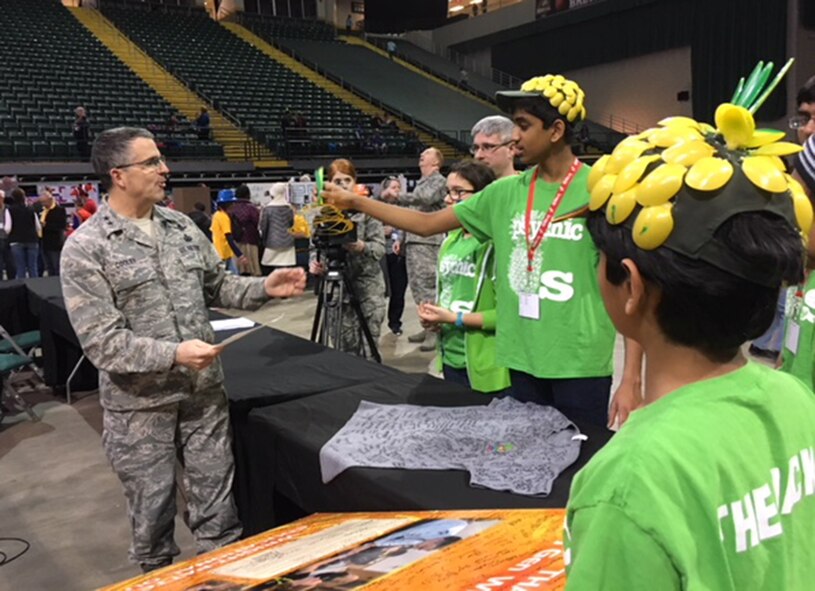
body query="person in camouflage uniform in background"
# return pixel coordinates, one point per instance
(422, 252)
(137, 281)
(363, 270)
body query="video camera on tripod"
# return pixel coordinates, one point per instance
(331, 230)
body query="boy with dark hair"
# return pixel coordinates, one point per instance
(552, 330)
(712, 484)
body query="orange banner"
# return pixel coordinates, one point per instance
(497, 550)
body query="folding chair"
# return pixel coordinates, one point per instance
(10, 366)
(22, 344)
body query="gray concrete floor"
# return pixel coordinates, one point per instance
(58, 493)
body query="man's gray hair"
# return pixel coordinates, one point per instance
(111, 148)
(494, 125)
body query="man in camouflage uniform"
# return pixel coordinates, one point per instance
(137, 282)
(364, 272)
(422, 252)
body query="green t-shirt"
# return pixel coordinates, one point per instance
(710, 488)
(573, 337)
(457, 287)
(799, 333)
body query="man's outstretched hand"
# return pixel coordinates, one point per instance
(284, 283)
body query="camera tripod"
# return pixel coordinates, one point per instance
(326, 329)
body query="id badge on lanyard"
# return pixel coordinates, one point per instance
(529, 302)
(794, 327)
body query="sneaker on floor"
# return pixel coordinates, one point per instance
(396, 330)
(419, 337)
(429, 343)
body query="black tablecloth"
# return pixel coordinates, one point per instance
(285, 441)
(60, 346)
(270, 366)
(15, 315)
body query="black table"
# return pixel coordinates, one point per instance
(15, 315)
(61, 351)
(280, 480)
(270, 366)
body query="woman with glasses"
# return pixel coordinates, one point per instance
(465, 313)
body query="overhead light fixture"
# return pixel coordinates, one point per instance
(456, 8)
(476, 1)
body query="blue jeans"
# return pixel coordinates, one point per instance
(231, 266)
(25, 257)
(51, 260)
(580, 399)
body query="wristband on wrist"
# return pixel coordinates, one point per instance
(460, 319)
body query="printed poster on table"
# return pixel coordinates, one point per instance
(485, 550)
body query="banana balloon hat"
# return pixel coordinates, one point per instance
(564, 95)
(676, 184)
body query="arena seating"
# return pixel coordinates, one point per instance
(439, 66)
(270, 27)
(49, 65)
(254, 89)
(428, 101)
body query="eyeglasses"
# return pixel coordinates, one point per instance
(800, 121)
(458, 194)
(489, 148)
(154, 162)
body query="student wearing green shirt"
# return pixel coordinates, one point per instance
(465, 311)
(711, 485)
(798, 352)
(552, 330)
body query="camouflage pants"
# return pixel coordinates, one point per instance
(352, 339)
(422, 260)
(142, 446)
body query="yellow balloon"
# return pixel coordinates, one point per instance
(709, 174)
(621, 205)
(803, 211)
(736, 124)
(763, 173)
(564, 108)
(665, 137)
(625, 152)
(653, 226)
(707, 129)
(598, 169)
(661, 184)
(632, 173)
(779, 164)
(573, 113)
(778, 149)
(556, 99)
(762, 137)
(601, 192)
(801, 204)
(679, 122)
(688, 153)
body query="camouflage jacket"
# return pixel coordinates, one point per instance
(428, 196)
(132, 298)
(366, 266)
